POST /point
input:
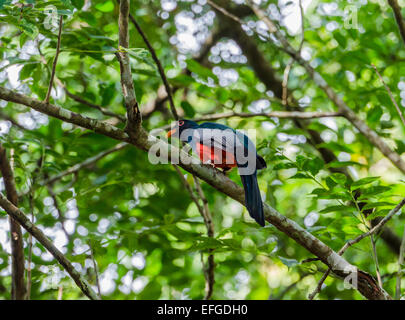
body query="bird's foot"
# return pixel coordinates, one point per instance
(226, 170)
(208, 165)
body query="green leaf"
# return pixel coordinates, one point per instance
(106, 6)
(342, 164)
(336, 209)
(363, 182)
(195, 67)
(372, 205)
(188, 109)
(339, 178)
(68, 4)
(400, 147)
(319, 191)
(27, 70)
(28, 28)
(374, 114)
(300, 175)
(374, 190)
(284, 165)
(378, 213)
(330, 183)
(334, 146)
(314, 165)
(143, 55)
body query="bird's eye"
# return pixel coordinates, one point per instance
(181, 122)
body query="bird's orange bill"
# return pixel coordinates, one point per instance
(171, 132)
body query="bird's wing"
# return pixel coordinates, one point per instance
(225, 140)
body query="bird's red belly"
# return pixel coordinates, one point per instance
(219, 158)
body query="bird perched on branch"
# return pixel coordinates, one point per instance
(226, 148)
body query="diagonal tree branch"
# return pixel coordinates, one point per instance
(348, 244)
(266, 74)
(272, 114)
(19, 216)
(64, 114)
(144, 141)
(17, 247)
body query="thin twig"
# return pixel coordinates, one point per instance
(78, 98)
(55, 61)
(358, 239)
(209, 273)
(31, 194)
(60, 293)
(88, 162)
(290, 63)
(390, 94)
(88, 103)
(61, 216)
(159, 65)
(95, 269)
(210, 269)
(18, 215)
(190, 190)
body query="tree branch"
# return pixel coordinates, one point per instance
(159, 65)
(398, 17)
(133, 114)
(266, 74)
(209, 224)
(144, 141)
(401, 116)
(19, 216)
(88, 162)
(55, 60)
(273, 114)
(348, 244)
(88, 103)
(290, 63)
(209, 271)
(18, 289)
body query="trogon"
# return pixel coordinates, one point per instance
(226, 148)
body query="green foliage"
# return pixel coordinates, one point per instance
(147, 236)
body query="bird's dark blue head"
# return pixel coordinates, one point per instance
(180, 127)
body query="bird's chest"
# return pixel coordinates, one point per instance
(212, 148)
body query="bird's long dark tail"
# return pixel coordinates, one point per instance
(253, 200)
